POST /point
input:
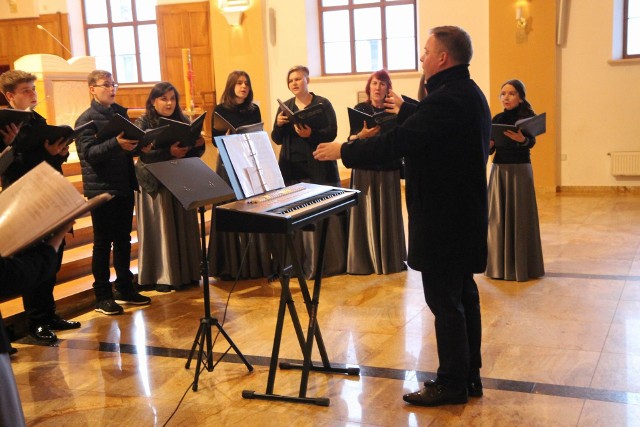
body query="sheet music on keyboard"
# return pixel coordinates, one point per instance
(254, 162)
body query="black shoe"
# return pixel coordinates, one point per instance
(42, 333)
(131, 297)
(435, 394)
(163, 288)
(12, 350)
(474, 388)
(108, 306)
(60, 324)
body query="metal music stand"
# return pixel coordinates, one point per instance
(195, 185)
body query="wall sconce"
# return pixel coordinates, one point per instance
(233, 10)
(523, 20)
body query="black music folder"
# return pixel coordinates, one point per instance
(222, 125)
(409, 100)
(17, 117)
(120, 124)
(313, 116)
(383, 119)
(531, 126)
(191, 181)
(52, 133)
(185, 133)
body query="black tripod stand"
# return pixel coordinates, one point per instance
(204, 331)
(195, 185)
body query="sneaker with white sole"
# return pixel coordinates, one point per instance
(108, 306)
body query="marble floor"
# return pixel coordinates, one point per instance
(563, 350)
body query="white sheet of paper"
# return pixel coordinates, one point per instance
(254, 162)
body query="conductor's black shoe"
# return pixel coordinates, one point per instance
(474, 388)
(42, 333)
(131, 297)
(436, 394)
(60, 324)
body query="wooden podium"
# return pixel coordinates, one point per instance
(63, 92)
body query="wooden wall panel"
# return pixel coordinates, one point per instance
(19, 37)
(182, 26)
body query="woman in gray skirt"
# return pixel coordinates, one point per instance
(169, 251)
(376, 229)
(515, 251)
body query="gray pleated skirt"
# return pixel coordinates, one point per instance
(376, 229)
(514, 247)
(169, 249)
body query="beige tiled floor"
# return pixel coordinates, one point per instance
(561, 350)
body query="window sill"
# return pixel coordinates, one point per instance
(359, 77)
(625, 61)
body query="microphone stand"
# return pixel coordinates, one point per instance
(40, 27)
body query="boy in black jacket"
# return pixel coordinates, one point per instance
(107, 167)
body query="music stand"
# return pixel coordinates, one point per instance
(195, 185)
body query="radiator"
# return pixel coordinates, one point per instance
(625, 163)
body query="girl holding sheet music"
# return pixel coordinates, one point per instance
(169, 250)
(226, 249)
(376, 229)
(298, 142)
(515, 251)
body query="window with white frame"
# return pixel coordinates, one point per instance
(631, 40)
(123, 37)
(361, 36)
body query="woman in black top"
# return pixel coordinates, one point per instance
(298, 142)
(226, 249)
(514, 247)
(376, 229)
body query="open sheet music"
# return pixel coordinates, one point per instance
(36, 205)
(255, 167)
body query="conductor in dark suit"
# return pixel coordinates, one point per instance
(445, 142)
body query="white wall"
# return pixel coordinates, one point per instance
(15, 9)
(46, 7)
(599, 102)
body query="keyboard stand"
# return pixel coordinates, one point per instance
(313, 329)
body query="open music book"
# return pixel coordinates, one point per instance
(313, 116)
(37, 204)
(254, 168)
(531, 126)
(222, 125)
(174, 131)
(120, 124)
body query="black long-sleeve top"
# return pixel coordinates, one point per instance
(296, 157)
(516, 152)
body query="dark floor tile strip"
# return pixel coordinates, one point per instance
(374, 372)
(592, 276)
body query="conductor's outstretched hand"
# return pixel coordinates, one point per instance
(328, 151)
